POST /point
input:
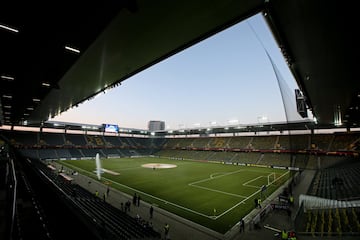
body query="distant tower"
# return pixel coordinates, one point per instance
(156, 126)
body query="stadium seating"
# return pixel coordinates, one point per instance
(338, 183)
(227, 149)
(336, 222)
(319, 152)
(117, 223)
(52, 139)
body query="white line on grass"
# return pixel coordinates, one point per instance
(181, 207)
(212, 178)
(253, 186)
(223, 213)
(160, 199)
(218, 191)
(213, 175)
(244, 200)
(244, 184)
(281, 176)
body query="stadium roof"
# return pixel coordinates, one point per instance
(42, 74)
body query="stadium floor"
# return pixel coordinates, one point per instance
(182, 229)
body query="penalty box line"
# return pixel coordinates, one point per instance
(216, 217)
(194, 184)
(252, 180)
(241, 202)
(161, 200)
(218, 191)
(178, 206)
(231, 208)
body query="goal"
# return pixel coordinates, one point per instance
(271, 178)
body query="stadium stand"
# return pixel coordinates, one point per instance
(240, 142)
(321, 141)
(112, 141)
(264, 142)
(338, 182)
(238, 149)
(52, 139)
(218, 142)
(75, 139)
(23, 138)
(337, 186)
(105, 219)
(118, 224)
(344, 142)
(39, 82)
(283, 142)
(302, 152)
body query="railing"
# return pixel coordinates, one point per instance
(10, 190)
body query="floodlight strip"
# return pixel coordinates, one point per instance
(9, 28)
(72, 49)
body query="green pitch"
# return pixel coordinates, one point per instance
(214, 195)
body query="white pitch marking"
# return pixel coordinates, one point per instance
(218, 191)
(184, 208)
(244, 184)
(160, 199)
(242, 202)
(223, 175)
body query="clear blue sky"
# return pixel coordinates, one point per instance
(225, 77)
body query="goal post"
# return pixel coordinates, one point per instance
(271, 178)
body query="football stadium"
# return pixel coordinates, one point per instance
(265, 180)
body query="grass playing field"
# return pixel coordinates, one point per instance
(212, 194)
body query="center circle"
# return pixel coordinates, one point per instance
(158, 165)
